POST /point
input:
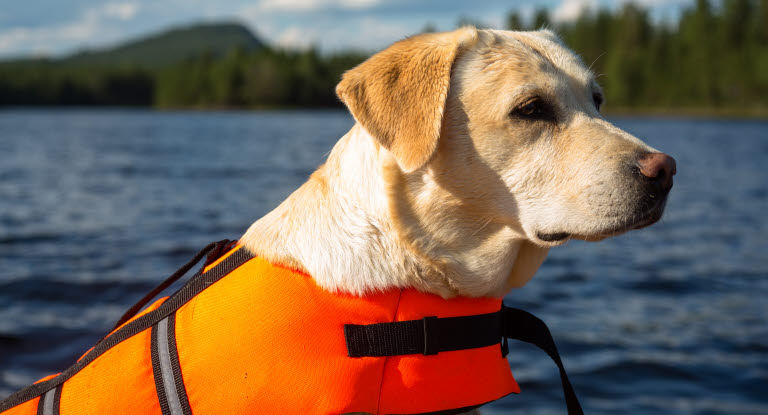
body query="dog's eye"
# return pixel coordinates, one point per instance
(598, 100)
(534, 109)
(531, 109)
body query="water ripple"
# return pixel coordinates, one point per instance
(99, 206)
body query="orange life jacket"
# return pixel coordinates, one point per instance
(249, 337)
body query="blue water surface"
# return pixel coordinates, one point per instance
(98, 206)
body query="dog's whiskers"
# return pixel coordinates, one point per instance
(594, 61)
(481, 227)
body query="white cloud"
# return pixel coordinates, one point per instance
(569, 10)
(364, 34)
(285, 23)
(88, 27)
(653, 3)
(358, 4)
(310, 5)
(381, 33)
(12, 37)
(42, 39)
(290, 23)
(295, 37)
(121, 11)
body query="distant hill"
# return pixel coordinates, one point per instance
(169, 47)
(207, 65)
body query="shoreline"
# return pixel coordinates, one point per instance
(690, 112)
(681, 112)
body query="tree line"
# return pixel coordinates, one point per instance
(714, 57)
(238, 79)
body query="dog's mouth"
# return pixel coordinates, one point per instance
(651, 217)
(553, 237)
(646, 218)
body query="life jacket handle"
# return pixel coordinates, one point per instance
(432, 335)
(213, 251)
(524, 326)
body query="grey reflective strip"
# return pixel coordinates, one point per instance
(164, 354)
(48, 399)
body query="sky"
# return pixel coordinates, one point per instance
(60, 27)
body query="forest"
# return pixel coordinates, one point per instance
(713, 60)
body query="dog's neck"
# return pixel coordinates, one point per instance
(335, 227)
(352, 228)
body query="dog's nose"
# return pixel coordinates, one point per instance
(659, 169)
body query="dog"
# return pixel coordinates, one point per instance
(473, 153)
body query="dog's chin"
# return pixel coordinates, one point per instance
(637, 221)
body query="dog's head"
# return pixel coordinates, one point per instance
(504, 130)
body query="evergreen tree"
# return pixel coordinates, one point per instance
(713, 57)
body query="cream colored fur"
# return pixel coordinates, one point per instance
(439, 186)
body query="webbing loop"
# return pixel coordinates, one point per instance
(432, 335)
(211, 248)
(196, 285)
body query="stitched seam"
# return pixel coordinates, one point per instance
(384, 366)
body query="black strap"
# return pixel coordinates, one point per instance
(197, 284)
(524, 326)
(429, 335)
(432, 335)
(212, 249)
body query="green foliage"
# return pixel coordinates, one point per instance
(42, 82)
(205, 66)
(715, 58)
(429, 27)
(267, 78)
(468, 21)
(541, 20)
(173, 46)
(514, 22)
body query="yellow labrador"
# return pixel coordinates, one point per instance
(474, 152)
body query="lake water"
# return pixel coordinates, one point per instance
(97, 207)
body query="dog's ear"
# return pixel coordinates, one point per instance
(398, 94)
